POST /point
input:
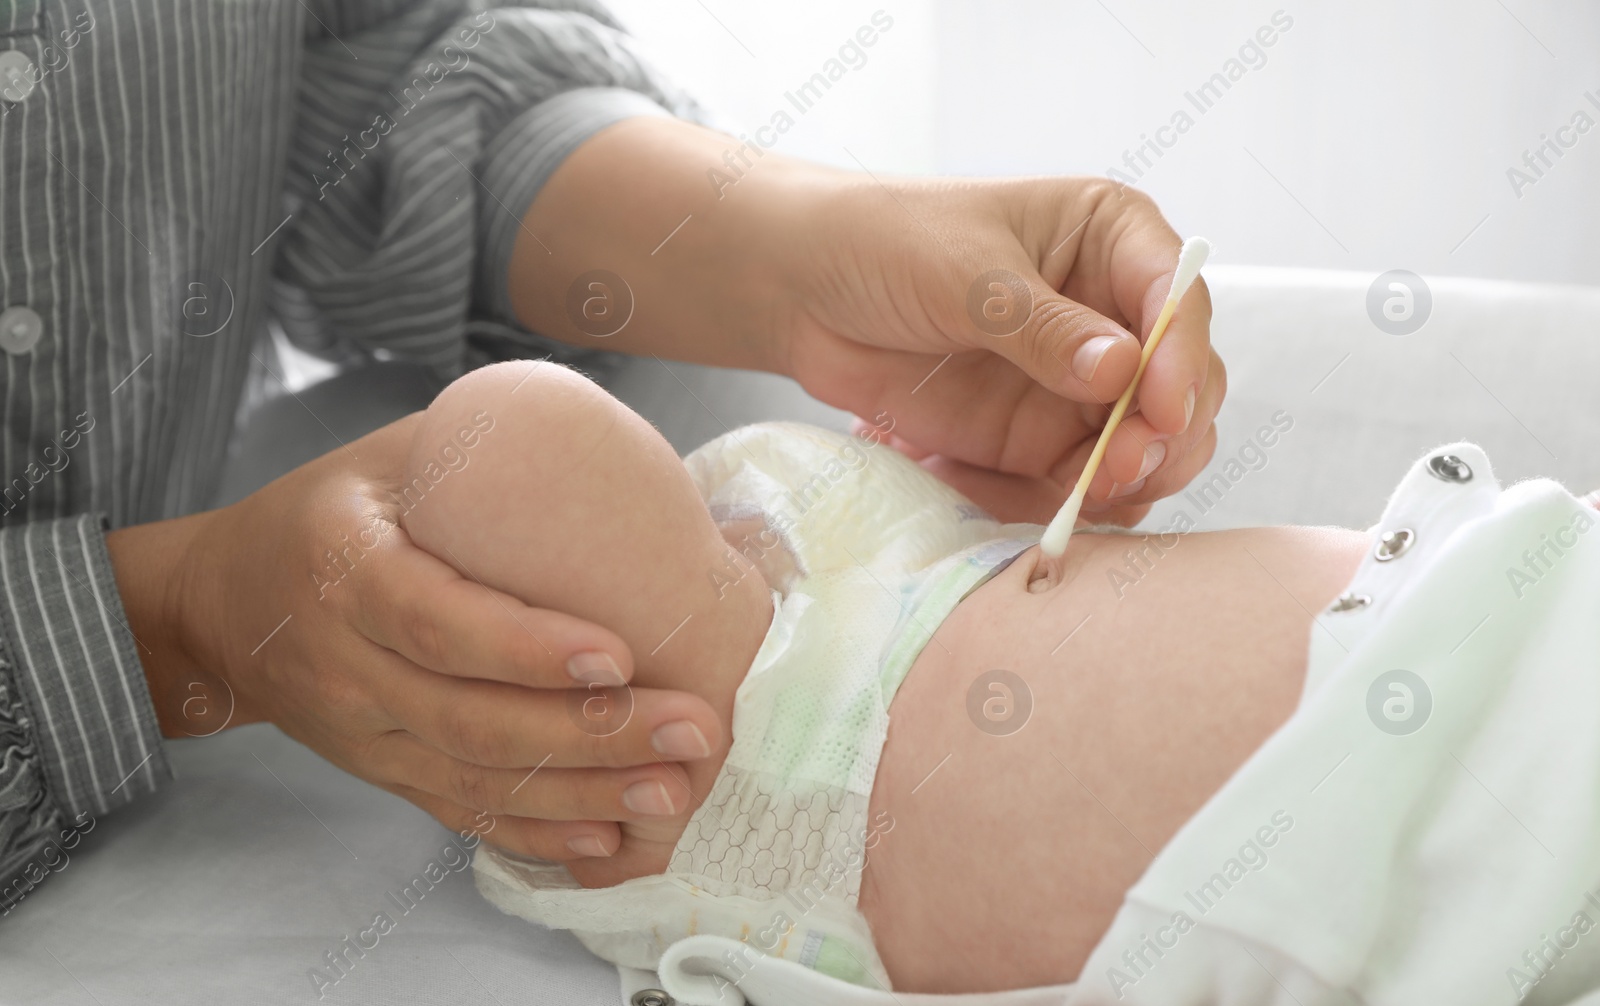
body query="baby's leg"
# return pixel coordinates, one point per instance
(568, 500)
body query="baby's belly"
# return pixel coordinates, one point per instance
(1045, 746)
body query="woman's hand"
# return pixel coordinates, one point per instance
(992, 321)
(308, 605)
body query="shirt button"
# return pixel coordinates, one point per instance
(18, 76)
(20, 329)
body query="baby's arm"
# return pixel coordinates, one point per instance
(570, 501)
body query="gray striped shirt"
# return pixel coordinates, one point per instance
(173, 173)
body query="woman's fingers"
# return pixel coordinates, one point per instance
(1028, 499)
(554, 840)
(1141, 466)
(1130, 475)
(1138, 450)
(1131, 508)
(1082, 344)
(1136, 252)
(1179, 369)
(418, 606)
(554, 794)
(973, 406)
(1110, 295)
(861, 428)
(1009, 498)
(499, 725)
(1135, 452)
(1065, 346)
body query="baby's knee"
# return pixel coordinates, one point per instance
(495, 428)
(536, 396)
(523, 403)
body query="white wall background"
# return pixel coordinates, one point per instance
(1377, 135)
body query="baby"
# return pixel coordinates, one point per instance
(1052, 728)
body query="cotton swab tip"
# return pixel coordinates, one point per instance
(1056, 536)
(1194, 254)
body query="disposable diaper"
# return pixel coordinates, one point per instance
(866, 555)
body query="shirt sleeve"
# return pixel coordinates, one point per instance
(423, 138)
(78, 732)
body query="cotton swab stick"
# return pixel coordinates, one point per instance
(1190, 259)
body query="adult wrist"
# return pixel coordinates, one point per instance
(161, 598)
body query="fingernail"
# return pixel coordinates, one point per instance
(1188, 405)
(648, 797)
(679, 739)
(1153, 455)
(587, 845)
(594, 668)
(1087, 359)
(1118, 490)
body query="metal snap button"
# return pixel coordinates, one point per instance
(1393, 544)
(1350, 601)
(1449, 468)
(18, 76)
(651, 997)
(20, 329)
